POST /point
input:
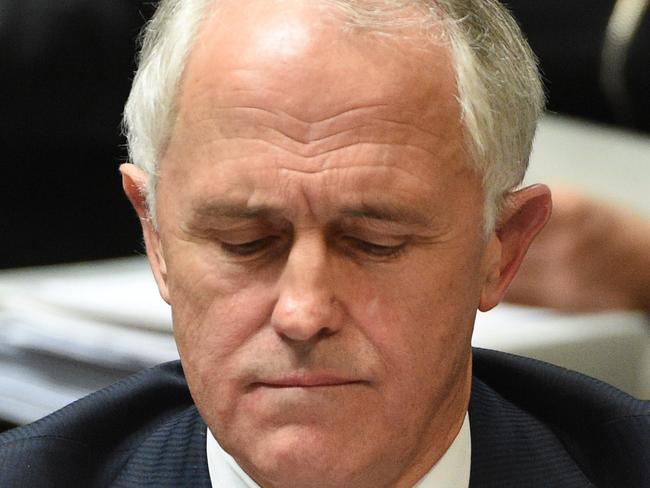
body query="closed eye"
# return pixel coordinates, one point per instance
(248, 248)
(375, 250)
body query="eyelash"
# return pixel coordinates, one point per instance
(376, 251)
(248, 248)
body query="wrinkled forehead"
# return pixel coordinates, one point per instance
(307, 55)
(284, 88)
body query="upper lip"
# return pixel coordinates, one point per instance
(303, 379)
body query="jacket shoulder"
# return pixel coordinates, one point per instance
(558, 417)
(93, 438)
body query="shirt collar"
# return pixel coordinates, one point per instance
(451, 471)
(224, 470)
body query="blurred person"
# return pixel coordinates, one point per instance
(592, 255)
(327, 195)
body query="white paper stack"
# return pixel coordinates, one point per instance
(66, 331)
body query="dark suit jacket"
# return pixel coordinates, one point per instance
(532, 425)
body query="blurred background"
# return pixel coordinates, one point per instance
(66, 70)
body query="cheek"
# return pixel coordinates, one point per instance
(213, 302)
(422, 335)
(211, 324)
(417, 309)
(420, 322)
(215, 312)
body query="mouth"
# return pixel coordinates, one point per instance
(306, 380)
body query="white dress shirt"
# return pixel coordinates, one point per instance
(451, 470)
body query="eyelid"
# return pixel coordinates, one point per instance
(378, 238)
(249, 248)
(375, 250)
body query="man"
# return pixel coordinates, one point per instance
(326, 193)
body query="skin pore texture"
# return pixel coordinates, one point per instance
(320, 242)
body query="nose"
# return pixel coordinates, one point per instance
(306, 305)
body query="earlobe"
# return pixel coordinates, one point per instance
(525, 214)
(134, 182)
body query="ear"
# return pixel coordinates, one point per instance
(134, 182)
(525, 213)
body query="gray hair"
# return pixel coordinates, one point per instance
(498, 83)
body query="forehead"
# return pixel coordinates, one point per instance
(286, 84)
(302, 58)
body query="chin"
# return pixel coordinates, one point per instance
(304, 456)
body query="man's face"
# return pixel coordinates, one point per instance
(321, 240)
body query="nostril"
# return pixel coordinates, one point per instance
(301, 319)
(307, 342)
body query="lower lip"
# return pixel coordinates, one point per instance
(305, 386)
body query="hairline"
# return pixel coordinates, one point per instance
(456, 44)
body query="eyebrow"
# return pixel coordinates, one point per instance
(387, 212)
(235, 211)
(376, 211)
